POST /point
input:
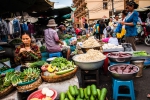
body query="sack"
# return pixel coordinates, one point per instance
(120, 35)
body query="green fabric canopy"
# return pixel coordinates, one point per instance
(67, 16)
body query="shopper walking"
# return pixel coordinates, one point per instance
(130, 23)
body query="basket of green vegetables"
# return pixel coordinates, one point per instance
(5, 86)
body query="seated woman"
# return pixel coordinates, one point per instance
(27, 51)
(53, 43)
(61, 32)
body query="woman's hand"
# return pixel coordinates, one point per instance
(22, 50)
(122, 23)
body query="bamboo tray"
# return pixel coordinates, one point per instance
(30, 87)
(58, 78)
(6, 91)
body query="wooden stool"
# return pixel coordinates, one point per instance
(86, 79)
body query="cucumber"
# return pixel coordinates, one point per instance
(94, 90)
(98, 93)
(86, 97)
(72, 91)
(64, 71)
(81, 93)
(66, 99)
(76, 90)
(79, 99)
(103, 94)
(92, 97)
(88, 90)
(70, 96)
(62, 96)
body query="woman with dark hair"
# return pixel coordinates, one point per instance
(27, 51)
(130, 23)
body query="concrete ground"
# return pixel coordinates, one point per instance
(141, 85)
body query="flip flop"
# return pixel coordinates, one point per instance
(148, 95)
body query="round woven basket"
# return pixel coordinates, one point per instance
(58, 78)
(6, 91)
(30, 87)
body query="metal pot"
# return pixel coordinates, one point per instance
(119, 59)
(123, 77)
(88, 65)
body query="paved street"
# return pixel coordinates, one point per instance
(141, 85)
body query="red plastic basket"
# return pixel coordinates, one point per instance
(38, 94)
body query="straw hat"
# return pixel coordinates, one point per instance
(51, 22)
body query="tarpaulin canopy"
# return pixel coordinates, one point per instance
(67, 16)
(24, 5)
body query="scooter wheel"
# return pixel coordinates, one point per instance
(147, 40)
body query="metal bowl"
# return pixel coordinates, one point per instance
(123, 77)
(119, 59)
(88, 65)
(86, 49)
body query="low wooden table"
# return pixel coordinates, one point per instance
(90, 76)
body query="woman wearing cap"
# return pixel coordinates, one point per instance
(61, 32)
(52, 40)
(130, 23)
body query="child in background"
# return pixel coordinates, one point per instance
(105, 39)
(113, 39)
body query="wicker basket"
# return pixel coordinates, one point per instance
(58, 78)
(30, 87)
(6, 91)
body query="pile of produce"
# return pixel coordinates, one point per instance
(35, 64)
(15, 41)
(124, 69)
(119, 55)
(3, 83)
(90, 43)
(111, 46)
(67, 36)
(90, 56)
(27, 75)
(58, 66)
(88, 93)
(43, 49)
(3, 68)
(140, 53)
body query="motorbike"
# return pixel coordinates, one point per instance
(143, 36)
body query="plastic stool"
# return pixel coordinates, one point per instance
(55, 54)
(113, 63)
(118, 83)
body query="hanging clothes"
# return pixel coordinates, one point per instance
(3, 28)
(31, 28)
(24, 27)
(16, 25)
(11, 27)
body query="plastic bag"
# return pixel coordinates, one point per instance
(120, 35)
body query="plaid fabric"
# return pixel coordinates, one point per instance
(24, 57)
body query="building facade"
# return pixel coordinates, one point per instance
(97, 9)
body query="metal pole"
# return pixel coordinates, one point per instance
(112, 7)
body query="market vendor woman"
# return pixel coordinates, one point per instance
(27, 51)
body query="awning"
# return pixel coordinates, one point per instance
(24, 5)
(67, 16)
